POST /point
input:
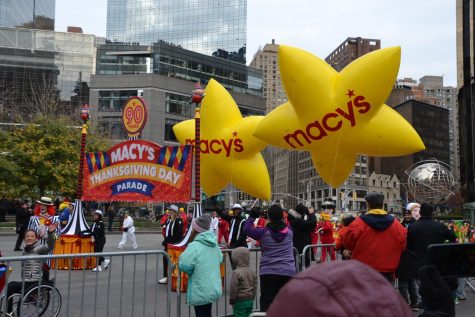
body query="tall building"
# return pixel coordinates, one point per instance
(351, 49)
(282, 164)
(466, 97)
(311, 188)
(43, 71)
(430, 90)
(432, 124)
(210, 27)
(31, 14)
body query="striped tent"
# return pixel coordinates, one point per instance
(77, 222)
(196, 213)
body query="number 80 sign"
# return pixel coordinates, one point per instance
(134, 116)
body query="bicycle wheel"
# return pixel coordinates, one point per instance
(43, 300)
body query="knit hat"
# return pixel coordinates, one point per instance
(275, 213)
(426, 210)
(350, 288)
(202, 223)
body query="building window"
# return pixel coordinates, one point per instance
(178, 104)
(113, 127)
(114, 100)
(169, 134)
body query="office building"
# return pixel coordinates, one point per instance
(466, 97)
(43, 71)
(210, 27)
(282, 164)
(432, 124)
(30, 14)
(351, 49)
(430, 90)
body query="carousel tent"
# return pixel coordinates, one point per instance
(77, 222)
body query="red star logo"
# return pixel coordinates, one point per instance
(350, 93)
(235, 134)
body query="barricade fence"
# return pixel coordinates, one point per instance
(129, 287)
(117, 291)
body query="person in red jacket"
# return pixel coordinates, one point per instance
(325, 229)
(223, 231)
(376, 238)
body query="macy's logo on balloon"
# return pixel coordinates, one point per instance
(330, 122)
(217, 146)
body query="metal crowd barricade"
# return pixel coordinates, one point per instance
(306, 252)
(222, 307)
(117, 291)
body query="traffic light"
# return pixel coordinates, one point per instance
(354, 195)
(240, 196)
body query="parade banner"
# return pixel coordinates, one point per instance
(138, 171)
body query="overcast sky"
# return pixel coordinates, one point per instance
(425, 29)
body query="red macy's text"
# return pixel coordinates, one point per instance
(330, 122)
(216, 146)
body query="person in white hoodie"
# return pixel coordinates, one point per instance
(128, 232)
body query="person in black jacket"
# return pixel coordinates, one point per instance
(21, 221)
(424, 232)
(408, 285)
(303, 221)
(237, 237)
(98, 236)
(173, 233)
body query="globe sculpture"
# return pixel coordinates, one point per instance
(430, 181)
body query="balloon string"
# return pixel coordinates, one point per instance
(336, 153)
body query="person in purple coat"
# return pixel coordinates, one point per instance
(277, 265)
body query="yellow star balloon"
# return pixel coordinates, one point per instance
(229, 151)
(338, 115)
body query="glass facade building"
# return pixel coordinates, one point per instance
(210, 27)
(39, 66)
(176, 62)
(31, 14)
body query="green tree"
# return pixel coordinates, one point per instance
(43, 157)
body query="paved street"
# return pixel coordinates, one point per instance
(142, 292)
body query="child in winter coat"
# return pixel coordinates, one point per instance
(243, 283)
(201, 261)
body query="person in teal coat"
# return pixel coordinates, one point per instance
(201, 261)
